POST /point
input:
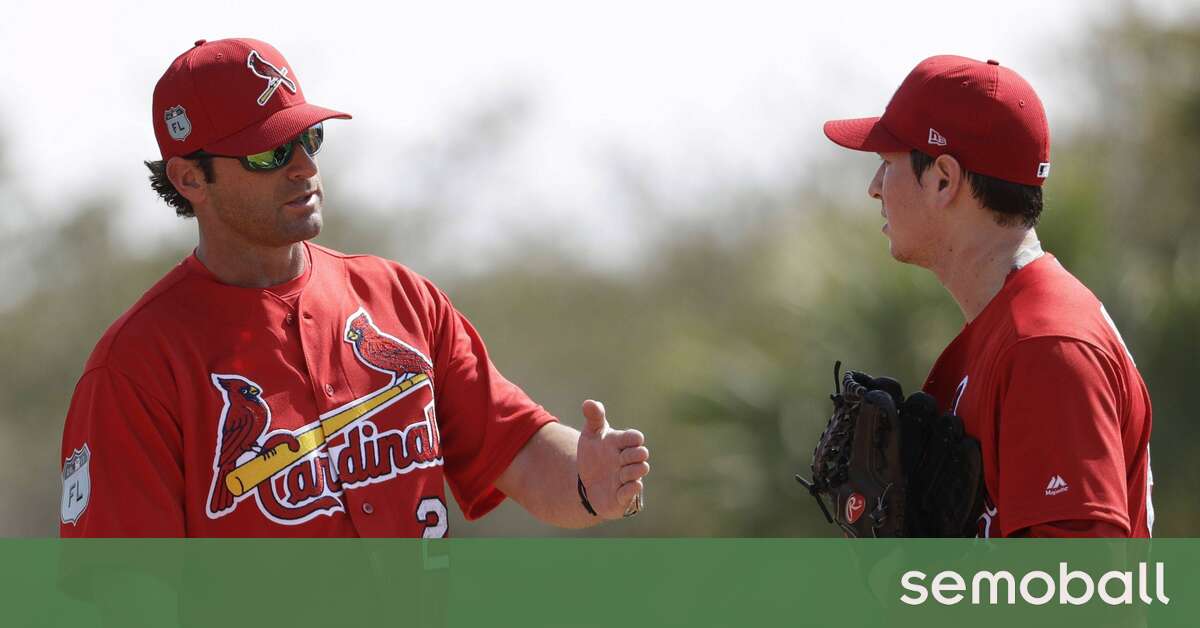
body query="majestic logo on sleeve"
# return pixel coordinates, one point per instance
(274, 76)
(1057, 485)
(295, 475)
(77, 485)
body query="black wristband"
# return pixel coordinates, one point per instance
(583, 497)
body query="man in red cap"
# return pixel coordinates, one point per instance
(267, 386)
(1039, 373)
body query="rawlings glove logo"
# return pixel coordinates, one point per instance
(855, 506)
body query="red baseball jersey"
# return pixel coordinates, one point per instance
(338, 404)
(1043, 379)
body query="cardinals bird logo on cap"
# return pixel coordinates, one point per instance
(273, 75)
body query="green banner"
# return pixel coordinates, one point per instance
(599, 582)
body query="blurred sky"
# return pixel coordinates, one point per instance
(687, 95)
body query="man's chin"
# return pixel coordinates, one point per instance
(900, 255)
(305, 229)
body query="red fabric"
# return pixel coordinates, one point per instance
(985, 115)
(1045, 383)
(1086, 529)
(209, 98)
(196, 363)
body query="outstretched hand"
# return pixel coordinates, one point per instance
(611, 463)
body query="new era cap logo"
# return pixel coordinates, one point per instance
(936, 138)
(1057, 485)
(1043, 170)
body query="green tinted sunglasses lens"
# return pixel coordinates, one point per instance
(270, 159)
(310, 139)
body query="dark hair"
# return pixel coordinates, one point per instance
(161, 184)
(1011, 203)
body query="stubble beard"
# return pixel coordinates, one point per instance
(268, 224)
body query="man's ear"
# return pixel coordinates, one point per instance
(188, 179)
(948, 179)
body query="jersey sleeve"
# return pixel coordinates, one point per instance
(484, 419)
(122, 462)
(1061, 455)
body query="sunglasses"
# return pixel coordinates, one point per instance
(310, 139)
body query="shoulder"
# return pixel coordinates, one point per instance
(371, 278)
(1049, 302)
(139, 327)
(364, 265)
(1059, 360)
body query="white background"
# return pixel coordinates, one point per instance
(680, 95)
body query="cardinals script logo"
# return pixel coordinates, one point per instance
(295, 475)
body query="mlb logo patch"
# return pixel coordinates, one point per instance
(178, 125)
(77, 485)
(1043, 170)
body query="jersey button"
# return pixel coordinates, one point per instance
(329, 390)
(368, 508)
(290, 318)
(307, 316)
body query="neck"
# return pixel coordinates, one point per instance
(974, 269)
(251, 266)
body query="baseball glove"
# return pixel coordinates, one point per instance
(895, 467)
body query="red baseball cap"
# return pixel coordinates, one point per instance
(230, 97)
(984, 115)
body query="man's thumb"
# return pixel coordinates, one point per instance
(593, 413)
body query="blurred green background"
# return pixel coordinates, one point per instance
(719, 344)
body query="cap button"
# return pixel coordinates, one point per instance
(201, 42)
(993, 62)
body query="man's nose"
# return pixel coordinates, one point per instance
(303, 166)
(875, 188)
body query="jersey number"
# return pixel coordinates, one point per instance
(432, 512)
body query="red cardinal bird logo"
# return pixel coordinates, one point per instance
(383, 352)
(274, 76)
(243, 422)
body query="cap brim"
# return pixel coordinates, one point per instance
(280, 127)
(866, 134)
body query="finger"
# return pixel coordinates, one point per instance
(634, 454)
(628, 491)
(630, 438)
(593, 414)
(632, 472)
